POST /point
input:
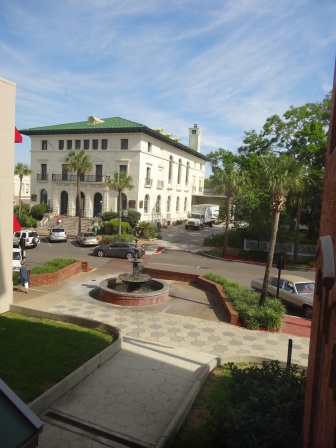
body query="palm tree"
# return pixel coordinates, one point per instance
(229, 182)
(120, 181)
(21, 169)
(281, 174)
(78, 162)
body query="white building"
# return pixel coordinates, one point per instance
(25, 189)
(165, 172)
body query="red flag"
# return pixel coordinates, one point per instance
(16, 224)
(18, 137)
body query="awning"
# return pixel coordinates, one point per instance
(17, 137)
(16, 224)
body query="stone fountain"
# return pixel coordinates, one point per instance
(133, 289)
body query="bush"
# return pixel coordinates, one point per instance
(37, 211)
(111, 227)
(107, 239)
(246, 304)
(107, 216)
(147, 230)
(262, 407)
(133, 217)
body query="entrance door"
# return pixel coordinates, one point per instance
(64, 203)
(97, 204)
(83, 204)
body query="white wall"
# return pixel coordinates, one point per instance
(7, 126)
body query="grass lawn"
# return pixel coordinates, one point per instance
(36, 353)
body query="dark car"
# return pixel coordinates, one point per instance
(120, 250)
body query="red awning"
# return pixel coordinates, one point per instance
(16, 224)
(18, 137)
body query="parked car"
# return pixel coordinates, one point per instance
(87, 239)
(57, 233)
(16, 259)
(119, 249)
(293, 290)
(31, 238)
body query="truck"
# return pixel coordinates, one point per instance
(202, 215)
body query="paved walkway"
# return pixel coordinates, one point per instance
(140, 396)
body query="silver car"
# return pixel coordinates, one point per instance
(87, 239)
(57, 233)
(293, 290)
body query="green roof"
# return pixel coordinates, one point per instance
(108, 125)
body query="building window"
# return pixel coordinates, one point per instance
(77, 144)
(179, 172)
(149, 147)
(44, 145)
(123, 168)
(187, 174)
(27, 188)
(185, 206)
(60, 144)
(99, 173)
(178, 203)
(193, 131)
(86, 144)
(146, 203)
(69, 144)
(168, 204)
(104, 143)
(44, 171)
(64, 173)
(158, 204)
(95, 143)
(124, 143)
(170, 172)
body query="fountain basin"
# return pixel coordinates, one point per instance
(113, 290)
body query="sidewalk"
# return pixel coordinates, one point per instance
(140, 396)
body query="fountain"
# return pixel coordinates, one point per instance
(135, 289)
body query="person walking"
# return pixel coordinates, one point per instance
(23, 247)
(23, 277)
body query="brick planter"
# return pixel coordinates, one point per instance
(203, 283)
(60, 276)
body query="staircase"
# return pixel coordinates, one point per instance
(70, 224)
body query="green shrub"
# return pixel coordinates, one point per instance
(107, 239)
(37, 211)
(107, 216)
(247, 306)
(133, 217)
(262, 407)
(147, 230)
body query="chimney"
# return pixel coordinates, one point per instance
(195, 138)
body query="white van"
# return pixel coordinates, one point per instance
(16, 259)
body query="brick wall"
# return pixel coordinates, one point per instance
(58, 277)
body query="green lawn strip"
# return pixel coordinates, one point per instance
(247, 406)
(35, 354)
(246, 303)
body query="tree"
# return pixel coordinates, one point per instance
(228, 179)
(78, 162)
(120, 181)
(21, 169)
(281, 174)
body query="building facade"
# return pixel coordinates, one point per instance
(165, 172)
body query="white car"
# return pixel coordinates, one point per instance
(16, 259)
(57, 233)
(293, 290)
(31, 238)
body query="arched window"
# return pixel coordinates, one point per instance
(168, 204)
(43, 197)
(178, 203)
(187, 174)
(179, 172)
(170, 172)
(185, 206)
(158, 204)
(146, 203)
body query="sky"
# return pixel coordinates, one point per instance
(225, 65)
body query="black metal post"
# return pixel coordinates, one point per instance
(289, 353)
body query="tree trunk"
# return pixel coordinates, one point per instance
(296, 231)
(21, 176)
(226, 234)
(275, 225)
(79, 199)
(119, 215)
